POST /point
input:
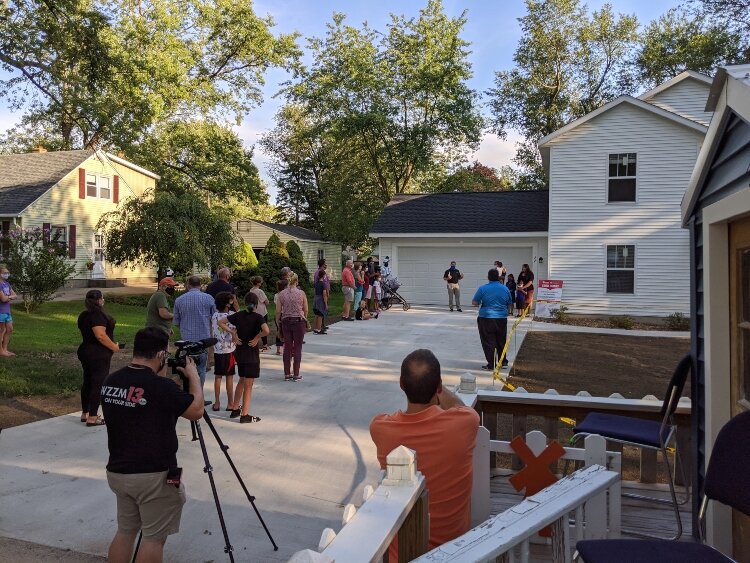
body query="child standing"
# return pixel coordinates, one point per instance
(250, 327)
(377, 294)
(224, 362)
(6, 320)
(511, 285)
(262, 308)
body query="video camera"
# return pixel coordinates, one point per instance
(186, 348)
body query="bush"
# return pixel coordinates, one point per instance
(244, 258)
(625, 322)
(678, 321)
(274, 257)
(298, 265)
(38, 267)
(561, 314)
(134, 300)
(241, 280)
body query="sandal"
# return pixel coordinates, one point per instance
(217, 407)
(99, 422)
(230, 409)
(288, 377)
(84, 417)
(246, 419)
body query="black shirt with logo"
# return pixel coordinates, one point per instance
(248, 326)
(141, 410)
(454, 276)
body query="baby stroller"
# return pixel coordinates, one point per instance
(390, 294)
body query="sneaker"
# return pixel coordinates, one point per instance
(505, 363)
(247, 418)
(318, 332)
(347, 318)
(451, 309)
(288, 378)
(459, 310)
(297, 378)
(235, 413)
(487, 367)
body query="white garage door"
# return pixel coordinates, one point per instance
(421, 269)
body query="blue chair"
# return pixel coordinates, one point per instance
(727, 481)
(647, 434)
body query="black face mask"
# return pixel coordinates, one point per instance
(169, 290)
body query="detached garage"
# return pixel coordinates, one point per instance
(422, 233)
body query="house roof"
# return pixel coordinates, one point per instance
(464, 212)
(26, 177)
(544, 147)
(292, 230)
(687, 75)
(731, 86)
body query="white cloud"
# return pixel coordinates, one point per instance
(496, 152)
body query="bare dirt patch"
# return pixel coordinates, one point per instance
(601, 364)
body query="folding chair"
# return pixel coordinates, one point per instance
(647, 434)
(727, 481)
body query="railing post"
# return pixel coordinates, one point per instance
(480, 488)
(561, 540)
(414, 535)
(518, 429)
(489, 421)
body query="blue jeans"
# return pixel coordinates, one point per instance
(357, 298)
(200, 363)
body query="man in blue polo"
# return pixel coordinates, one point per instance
(493, 299)
(192, 313)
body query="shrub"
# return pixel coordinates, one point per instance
(244, 258)
(298, 265)
(38, 265)
(274, 257)
(134, 300)
(678, 321)
(625, 322)
(561, 314)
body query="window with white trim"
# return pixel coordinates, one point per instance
(321, 254)
(621, 268)
(98, 186)
(58, 234)
(621, 182)
(98, 247)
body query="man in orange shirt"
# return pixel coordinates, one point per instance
(442, 431)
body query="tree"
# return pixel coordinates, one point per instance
(680, 41)
(101, 73)
(733, 16)
(203, 158)
(273, 258)
(244, 258)
(478, 178)
(567, 64)
(167, 230)
(39, 265)
(298, 265)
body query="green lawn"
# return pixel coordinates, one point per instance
(46, 340)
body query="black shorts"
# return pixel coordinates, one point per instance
(250, 371)
(223, 364)
(319, 313)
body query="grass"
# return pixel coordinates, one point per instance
(46, 341)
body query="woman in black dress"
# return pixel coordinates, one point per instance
(525, 282)
(95, 354)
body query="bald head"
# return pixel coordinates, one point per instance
(223, 274)
(420, 376)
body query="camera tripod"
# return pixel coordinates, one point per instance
(195, 427)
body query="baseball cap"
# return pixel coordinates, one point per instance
(168, 281)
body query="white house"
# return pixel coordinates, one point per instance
(616, 179)
(716, 213)
(423, 233)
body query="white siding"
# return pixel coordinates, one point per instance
(582, 223)
(420, 262)
(686, 98)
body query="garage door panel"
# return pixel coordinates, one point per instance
(421, 269)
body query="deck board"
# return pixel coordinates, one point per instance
(638, 516)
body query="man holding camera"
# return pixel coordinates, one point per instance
(141, 407)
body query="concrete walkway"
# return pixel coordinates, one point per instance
(79, 293)
(309, 456)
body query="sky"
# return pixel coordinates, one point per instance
(492, 29)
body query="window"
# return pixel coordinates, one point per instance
(621, 182)
(321, 254)
(621, 268)
(58, 234)
(98, 248)
(98, 186)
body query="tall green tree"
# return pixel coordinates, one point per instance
(101, 72)
(567, 64)
(200, 157)
(298, 265)
(164, 229)
(273, 258)
(679, 41)
(478, 177)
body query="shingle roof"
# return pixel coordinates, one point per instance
(292, 230)
(25, 177)
(465, 212)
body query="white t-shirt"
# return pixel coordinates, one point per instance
(261, 309)
(224, 344)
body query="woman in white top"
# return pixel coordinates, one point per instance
(262, 308)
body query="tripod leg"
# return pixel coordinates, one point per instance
(137, 546)
(192, 430)
(228, 549)
(224, 448)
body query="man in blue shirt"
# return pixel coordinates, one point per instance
(192, 313)
(493, 300)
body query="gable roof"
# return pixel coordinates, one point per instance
(687, 75)
(731, 86)
(26, 177)
(292, 230)
(464, 212)
(630, 100)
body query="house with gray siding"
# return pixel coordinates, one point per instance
(616, 179)
(716, 215)
(256, 234)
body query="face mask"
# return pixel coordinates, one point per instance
(5, 276)
(169, 290)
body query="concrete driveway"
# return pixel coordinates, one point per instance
(309, 456)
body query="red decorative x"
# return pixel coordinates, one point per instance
(536, 475)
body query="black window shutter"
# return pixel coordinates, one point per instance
(72, 241)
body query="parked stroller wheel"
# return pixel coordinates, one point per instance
(406, 306)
